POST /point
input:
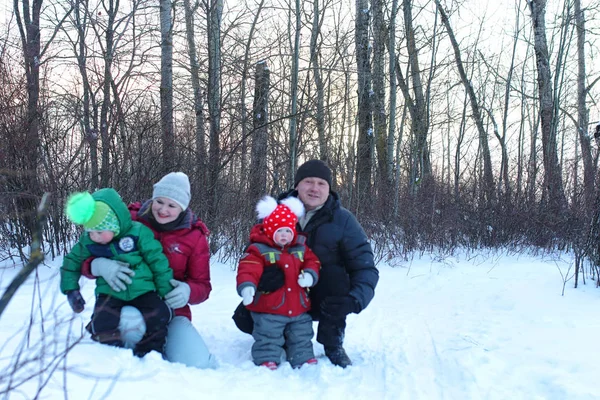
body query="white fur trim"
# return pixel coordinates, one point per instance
(265, 207)
(295, 205)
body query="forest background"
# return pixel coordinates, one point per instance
(448, 124)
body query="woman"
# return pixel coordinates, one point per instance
(183, 237)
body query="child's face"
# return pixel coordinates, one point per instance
(165, 210)
(283, 236)
(101, 237)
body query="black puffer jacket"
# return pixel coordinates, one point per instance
(347, 265)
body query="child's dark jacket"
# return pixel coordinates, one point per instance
(290, 300)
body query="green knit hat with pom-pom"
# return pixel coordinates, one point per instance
(83, 209)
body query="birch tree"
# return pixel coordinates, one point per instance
(379, 112)
(553, 184)
(582, 110)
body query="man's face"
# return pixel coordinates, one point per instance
(313, 192)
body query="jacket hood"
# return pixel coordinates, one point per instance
(114, 201)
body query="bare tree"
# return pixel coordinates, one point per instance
(294, 92)
(89, 114)
(420, 168)
(319, 86)
(28, 21)
(553, 185)
(365, 120)
(393, 95)
(214, 14)
(260, 118)
(166, 84)
(243, 110)
(379, 113)
(111, 11)
(488, 177)
(582, 110)
(190, 35)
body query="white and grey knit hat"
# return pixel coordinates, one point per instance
(174, 186)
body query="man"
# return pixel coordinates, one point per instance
(348, 272)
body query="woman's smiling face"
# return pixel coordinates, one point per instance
(165, 210)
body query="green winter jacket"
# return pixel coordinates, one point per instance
(134, 245)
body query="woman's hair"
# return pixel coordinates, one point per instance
(148, 210)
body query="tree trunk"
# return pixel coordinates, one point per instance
(243, 111)
(90, 133)
(393, 96)
(214, 109)
(379, 114)
(294, 98)
(365, 123)
(26, 180)
(582, 111)
(488, 177)
(260, 118)
(106, 91)
(553, 186)
(316, 68)
(166, 86)
(200, 134)
(421, 163)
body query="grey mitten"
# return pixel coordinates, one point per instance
(116, 273)
(179, 296)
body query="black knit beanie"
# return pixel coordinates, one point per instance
(313, 169)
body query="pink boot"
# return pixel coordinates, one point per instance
(272, 365)
(310, 361)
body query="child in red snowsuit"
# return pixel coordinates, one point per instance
(280, 317)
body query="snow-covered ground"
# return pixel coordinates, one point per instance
(487, 326)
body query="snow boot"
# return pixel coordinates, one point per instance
(337, 355)
(272, 365)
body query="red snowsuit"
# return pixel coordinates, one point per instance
(290, 300)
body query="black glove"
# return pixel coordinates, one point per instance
(243, 319)
(337, 307)
(75, 301)
(271, 279)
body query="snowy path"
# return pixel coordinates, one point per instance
(493, 327)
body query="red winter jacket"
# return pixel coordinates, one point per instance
(186, 248)
(290, 300)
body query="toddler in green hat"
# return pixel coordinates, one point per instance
(110, 233)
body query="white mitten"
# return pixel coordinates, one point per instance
(305, 280)
(179, 296)
(116, 273)
(248, 295)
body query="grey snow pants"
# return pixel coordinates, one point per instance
(271, 332)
